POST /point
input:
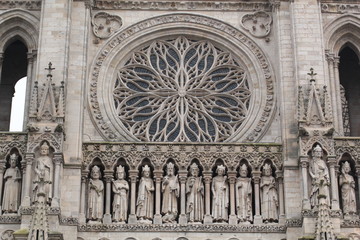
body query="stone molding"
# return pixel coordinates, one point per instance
(182, 154)
(69, 221)
(349, 145)
(11, 219)
(182, 228)
(354, 223)
(8, 141)
(340, 8)
(108, 126)
(294, 222)
(25, 4)
(185, 5)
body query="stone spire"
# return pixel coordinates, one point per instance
(324, 228)
(39, 226)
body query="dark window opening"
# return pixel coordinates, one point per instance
(14, 68)
(349, 71)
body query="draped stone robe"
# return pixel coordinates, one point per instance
(170, 196)
(96, 200)
(348, 196)
(120, 204)
(195, 199)
(269, 198)
(145, 200)
(243, 193)
(220, 190)
(12, 190)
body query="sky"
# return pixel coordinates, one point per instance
(17, 106)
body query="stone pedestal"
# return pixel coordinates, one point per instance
(233, 219)
(157, 219)
(132, 219)
(258, 219)
(182, 219)
(107, 219)
(208, 219)
(82, 218)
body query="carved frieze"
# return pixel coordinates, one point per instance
(184, 5)
(9, 141)
(350, 146)
(340, 8)
(258, 24)
(294, 222)
(182, 154)
(70, 221)
(10, 219)
(25, 4)
(105, 24)
(182, 228)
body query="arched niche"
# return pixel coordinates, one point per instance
(18, 44)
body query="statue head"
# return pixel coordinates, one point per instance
(44, 149)
(317, 151)
(13, 160)
(267, 169)
(220, 170)
(243, 170)
(95, 172)
(170, 169)
(120, 172)
(346, 167)
(194, 170)
(146, 171)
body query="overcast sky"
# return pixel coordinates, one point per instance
(17, 106)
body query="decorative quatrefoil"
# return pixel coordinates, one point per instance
(105, 25)
(258, 24)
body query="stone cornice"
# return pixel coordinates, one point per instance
(340, 8)
(249, 6)
(25, 4)
(264, 228)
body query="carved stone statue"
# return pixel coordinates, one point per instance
(12, 186)
(95, 196)
(195, 195)
(170, 190)
(269, 196)
(243, 193)
(120, 189)
(44, 171)
(319, 172)
(145, 200)
(220, 191)
(347, 185)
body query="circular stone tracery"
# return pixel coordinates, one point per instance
(182, 90)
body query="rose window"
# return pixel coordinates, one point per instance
(182, 90)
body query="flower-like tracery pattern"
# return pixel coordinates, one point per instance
(182, 90)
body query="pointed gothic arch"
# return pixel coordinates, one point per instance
(18, 44)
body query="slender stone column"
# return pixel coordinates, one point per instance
(304, 161)
(232, 180)
(1, 62)
(338, 97)
(30, 62)
(256, 177)
(182, 179)
(207, 179)
(280, 177)
(29, 158)
(82, 215)
(133, 175)
(358, 179)
(58, 159)
(108, 179)
(330, 59)
(334, 185)
(157, 177)
(2, 169)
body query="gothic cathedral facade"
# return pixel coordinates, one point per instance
(180, 120)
